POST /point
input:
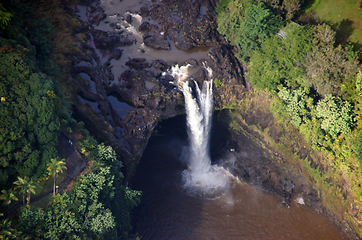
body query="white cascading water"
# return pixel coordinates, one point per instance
(201, 178)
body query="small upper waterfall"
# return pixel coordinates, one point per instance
(201, 178)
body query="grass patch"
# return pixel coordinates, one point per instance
(42, 203)
(344, 15)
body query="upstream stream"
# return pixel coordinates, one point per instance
(244, 212)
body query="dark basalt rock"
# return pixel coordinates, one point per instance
(128, 18)
(137, 63)
(105, 40)
(156, 43)
(146, 26)
(115, 54)
(160, 65)
(95, 14)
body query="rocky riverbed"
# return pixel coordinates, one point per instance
(118, 86)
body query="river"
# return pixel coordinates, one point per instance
(243, 212)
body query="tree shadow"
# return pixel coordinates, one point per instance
(307, 4)
(344, 30)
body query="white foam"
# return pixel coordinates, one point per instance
(300, 200)
(200, 177)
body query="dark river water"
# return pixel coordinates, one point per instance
(243, 212)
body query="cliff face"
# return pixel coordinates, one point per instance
(118, 86)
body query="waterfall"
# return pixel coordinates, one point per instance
(201, 178)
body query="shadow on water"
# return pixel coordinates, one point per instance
(158, 176)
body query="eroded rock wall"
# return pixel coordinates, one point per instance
(118, 86)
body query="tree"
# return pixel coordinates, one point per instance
(8, 196)
(55, 167)
(327, 66)
(296, 104)
(230, 17)
(291, 7)
(4, 17)
(246, 25)
(279, 60)
(258, 24)
(25, 185)
(21, 184)
(336, 115)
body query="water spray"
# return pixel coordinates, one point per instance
(201, 178)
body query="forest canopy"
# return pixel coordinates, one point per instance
(30, 125)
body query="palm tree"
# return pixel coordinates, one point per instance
(8, 196)
(21, 184)
(55, 167)
(30, 189)
(25, 185)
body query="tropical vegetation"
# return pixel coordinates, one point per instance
(34, 111)
(313, 79)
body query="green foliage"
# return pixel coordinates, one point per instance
(122, 199)
(279, 61)
(97, 207)
(258, 24)
(107, 156)
(55, 167)
(4, 17)
(217, 83)
(297, 104)
(304, 66)
(357, 146)
(232, 105)
(32, 34)
(288, 8)
(278, 108)
(32, 221)
(359, 83)
(7, 232)
(29, 126)
(230, 17)
(291, 7)
(38, 35)
(336, 115)
(8, 196)
(312, 132)
(222, 6)
(246, 24)
(25, 185)
(77, 215)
